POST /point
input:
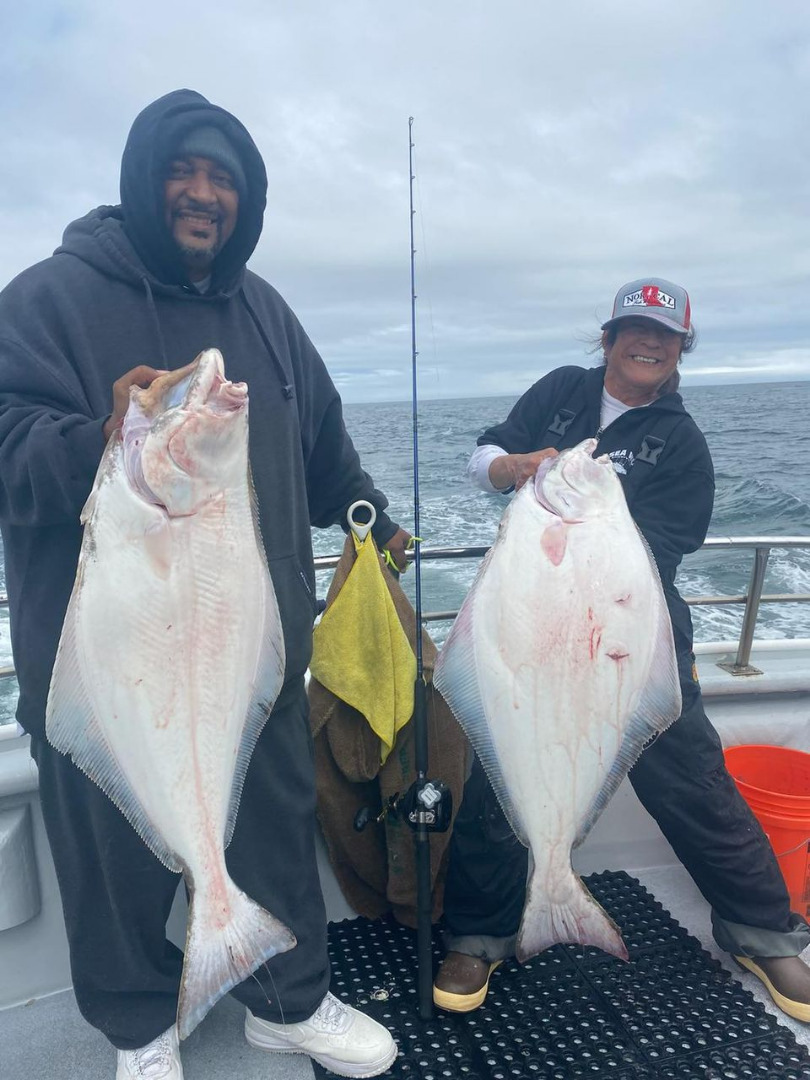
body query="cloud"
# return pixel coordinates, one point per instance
(782, 365)
(559, 152)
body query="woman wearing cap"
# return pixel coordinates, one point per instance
(631, 405)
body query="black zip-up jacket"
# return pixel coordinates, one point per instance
(658, 451)
(116, 295)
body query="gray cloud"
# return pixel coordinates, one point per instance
(559, 152)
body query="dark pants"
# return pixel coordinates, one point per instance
(117, 896)
(682, 781)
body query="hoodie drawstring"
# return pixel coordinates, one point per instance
(286, 382)
(284, 378)
(150, 303)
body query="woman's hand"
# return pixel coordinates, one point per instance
(513, 470)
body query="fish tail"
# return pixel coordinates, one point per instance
(226, 942)
(579, 919)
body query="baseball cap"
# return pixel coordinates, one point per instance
(653, 298)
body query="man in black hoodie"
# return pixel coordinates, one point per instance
(135, 289)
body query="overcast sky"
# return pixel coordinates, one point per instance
(561, 150)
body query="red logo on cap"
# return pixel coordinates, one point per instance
(650, 294)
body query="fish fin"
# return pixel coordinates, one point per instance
(581, 920)
(72, 729)
(456, 678)
(271, 662)
(220, 955)
(659, 705)
(157, 544)
(554, 542)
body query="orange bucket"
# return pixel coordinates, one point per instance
(775, 782)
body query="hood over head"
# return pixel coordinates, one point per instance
(154, 140)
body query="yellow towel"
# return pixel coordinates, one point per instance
(361, 653)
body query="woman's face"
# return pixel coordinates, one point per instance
(640, 360)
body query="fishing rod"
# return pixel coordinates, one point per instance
(427, 805)
(424, 897)
(417, 561)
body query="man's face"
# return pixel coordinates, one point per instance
(201, 206)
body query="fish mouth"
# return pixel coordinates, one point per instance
(199, 386)
(170, 403)
(569, 466)
(209, 389)
(210, 393)
(225, 397)
(543, 469)
(230, 397)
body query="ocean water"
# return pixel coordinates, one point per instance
(760, 443)
(759, 439)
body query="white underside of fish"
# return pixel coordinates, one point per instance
(560, 667)
(170, 659)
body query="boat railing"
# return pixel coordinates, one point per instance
(760, 547)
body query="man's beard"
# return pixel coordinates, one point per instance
(204, 255)
(196, 256)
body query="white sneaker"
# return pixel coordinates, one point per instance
(160, 1060)
(339, 1038)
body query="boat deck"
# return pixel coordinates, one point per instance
(48, 1040)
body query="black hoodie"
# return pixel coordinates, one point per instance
(113, 296)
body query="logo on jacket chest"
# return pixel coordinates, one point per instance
(623, 460)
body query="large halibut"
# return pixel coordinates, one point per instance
(172, 655)
(560, 667)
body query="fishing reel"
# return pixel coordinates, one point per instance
(427, 803)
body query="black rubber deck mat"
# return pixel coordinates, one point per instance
(671, 1013)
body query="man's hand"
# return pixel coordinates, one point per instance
(142, 376)
(397, 546)
(515, 469)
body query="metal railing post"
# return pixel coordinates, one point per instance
(741, 664)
